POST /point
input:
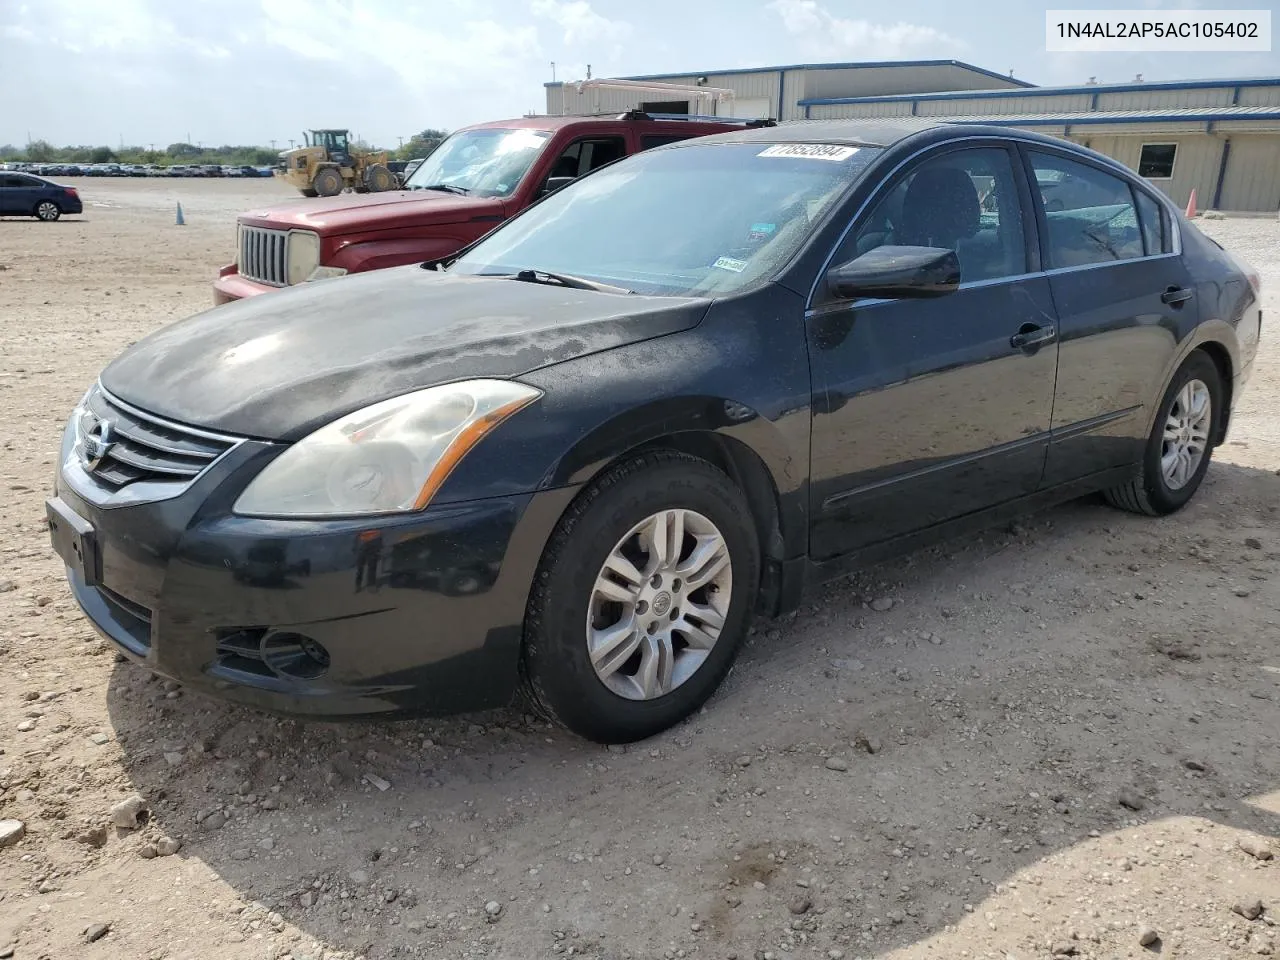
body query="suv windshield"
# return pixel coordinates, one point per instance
(487, 162)
(697, 219)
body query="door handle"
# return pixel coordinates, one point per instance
(1176, 296)
(1031, 336)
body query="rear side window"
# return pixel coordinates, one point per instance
(1155, 239)
(1090, 214)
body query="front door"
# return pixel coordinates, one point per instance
(928, 409)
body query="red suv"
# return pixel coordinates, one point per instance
(478, 177)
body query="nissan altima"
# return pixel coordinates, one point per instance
(575, 459)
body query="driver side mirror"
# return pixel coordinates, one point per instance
(556, 183)
(897, 272)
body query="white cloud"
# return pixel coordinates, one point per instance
(823, 34)
(581, 24)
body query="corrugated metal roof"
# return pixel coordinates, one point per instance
(1224, 83)
(1172, 115)
(867, 65)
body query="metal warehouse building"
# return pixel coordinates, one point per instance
(1220, 138)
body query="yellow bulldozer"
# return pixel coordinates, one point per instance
(326, 165)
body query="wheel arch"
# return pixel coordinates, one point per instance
(1221, 358)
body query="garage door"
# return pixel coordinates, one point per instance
(1253, 174)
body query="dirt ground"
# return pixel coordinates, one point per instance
(1061, 734)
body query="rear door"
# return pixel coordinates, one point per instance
(928, 409)
(1122, 296)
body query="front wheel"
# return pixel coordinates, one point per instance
(48, 211)
(642, 598)
(1178, 450)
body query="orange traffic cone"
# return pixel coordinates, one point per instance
(1191, 204)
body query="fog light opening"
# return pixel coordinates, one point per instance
(295, 656)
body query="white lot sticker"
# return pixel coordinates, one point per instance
(809, 151)
(728, 263)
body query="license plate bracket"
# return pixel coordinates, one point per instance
(74, 540)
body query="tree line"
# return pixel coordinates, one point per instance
(42, 151)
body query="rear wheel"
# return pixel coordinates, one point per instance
(327, 182)
(1180, 445)
(308, 192)
(48, 211)
(642, 598)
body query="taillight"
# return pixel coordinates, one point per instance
(1255, 280)
(71, 191)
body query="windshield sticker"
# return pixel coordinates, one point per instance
(728, 263)
(761, 231)
(809, 151)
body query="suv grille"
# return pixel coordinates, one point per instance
(118, 444)
(264, 255)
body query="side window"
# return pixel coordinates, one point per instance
(1154, 236)
(1090, 214)
(651, 140)
(583, 156)
(966, 201)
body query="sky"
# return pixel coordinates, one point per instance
(250, 71)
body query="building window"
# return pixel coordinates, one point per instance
(1156, 160)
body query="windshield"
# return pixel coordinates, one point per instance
(698, 219)
(486, 163)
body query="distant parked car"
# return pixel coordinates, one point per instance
(211, 170)
(266, 171)
(26, 195)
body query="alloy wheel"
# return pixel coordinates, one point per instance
(1186, 434)
(658, 604)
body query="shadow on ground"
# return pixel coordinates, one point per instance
(1033, 691)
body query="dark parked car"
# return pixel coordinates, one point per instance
(576, 460)
(26, 195)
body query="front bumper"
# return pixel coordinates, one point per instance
(417, 614)
(231, 286)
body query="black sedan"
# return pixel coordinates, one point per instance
(578, 457)
(26, 195)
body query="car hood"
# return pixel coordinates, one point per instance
(278, 367)
(347, 213)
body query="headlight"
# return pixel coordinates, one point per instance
(304, 254)
(387, 458)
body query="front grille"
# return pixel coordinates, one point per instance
(264, 255)
(118, 444)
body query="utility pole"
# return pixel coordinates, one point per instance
(401, 139)
(273, 144)
(290, 144)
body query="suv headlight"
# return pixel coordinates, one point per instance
(391, 457)
(304, 255)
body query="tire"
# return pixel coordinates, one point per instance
(47, 210)
(1154, 492)
(378, 178)
(566, 606)
(308, 192)
(327, 182)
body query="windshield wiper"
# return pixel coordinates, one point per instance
(446, 187)
(566, 280)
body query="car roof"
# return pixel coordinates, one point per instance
(872, 132)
